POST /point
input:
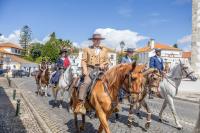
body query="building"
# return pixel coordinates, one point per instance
(10, 58)
(195, 59)
(169, 54)
(186, 57)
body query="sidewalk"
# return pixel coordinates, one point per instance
(9, 123)
(189, 91)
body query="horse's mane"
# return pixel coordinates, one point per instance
(116, 74)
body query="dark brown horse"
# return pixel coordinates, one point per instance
(42, 81)
(104, 96)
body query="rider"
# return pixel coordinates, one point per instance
(157, 62)
(126, 59)
(43, 66)
(95, 55)
(62, 64)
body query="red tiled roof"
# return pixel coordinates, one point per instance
(186, 55)
(157, 45)
(10, 45)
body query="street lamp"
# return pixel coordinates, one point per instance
(122, 44)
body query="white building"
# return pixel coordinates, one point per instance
(169, 54)
(10, 58)
(112, 58)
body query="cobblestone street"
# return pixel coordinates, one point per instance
(59, 120)
(9, 123)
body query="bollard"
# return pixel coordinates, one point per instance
(18, 108)
(14, 94)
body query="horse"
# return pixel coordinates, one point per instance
(64, 83)
(167, 87)
(103, 96)
(42, 81)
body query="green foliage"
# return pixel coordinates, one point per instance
(25, 37)
(50, 50)
(175, 45)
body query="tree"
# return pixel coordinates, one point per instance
(175, 45)
(25, 38)
(36, 50)
(52, 47)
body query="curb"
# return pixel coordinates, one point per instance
(38, 118)
(187, 100)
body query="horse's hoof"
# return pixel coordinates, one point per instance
(160, 120)
(129, 124)
(179, 127)
(147, 125)
(82, 127)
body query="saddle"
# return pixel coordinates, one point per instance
(94, 75)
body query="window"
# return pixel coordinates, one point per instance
(16, 51)
(112, 57)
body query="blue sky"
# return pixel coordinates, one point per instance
(166, 21)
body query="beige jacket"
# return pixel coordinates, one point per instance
(90, 57)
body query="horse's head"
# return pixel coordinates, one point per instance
(134, 79)
(186, 71)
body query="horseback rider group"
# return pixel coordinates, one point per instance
(94, 56)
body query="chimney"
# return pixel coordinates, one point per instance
(152, 43)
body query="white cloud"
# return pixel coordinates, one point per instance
(113, 37)
(13, 37)
(43, 41)
(185, 42)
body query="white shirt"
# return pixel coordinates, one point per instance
(97, 51)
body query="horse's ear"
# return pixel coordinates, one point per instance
(133, 66)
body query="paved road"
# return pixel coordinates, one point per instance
(59, 120)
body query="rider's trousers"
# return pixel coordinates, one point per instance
(84, 86)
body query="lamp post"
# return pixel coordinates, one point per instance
(122, 44)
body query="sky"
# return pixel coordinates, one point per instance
(131, 21)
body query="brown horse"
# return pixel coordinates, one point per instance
(142, 81)
(42, 81)
(104, 96)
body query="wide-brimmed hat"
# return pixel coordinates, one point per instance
(157, 50)
(96, 36)
(63, 50)
(129, 50)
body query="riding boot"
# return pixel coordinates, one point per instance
(80, 108)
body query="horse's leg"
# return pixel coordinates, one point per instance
(101, 127)
(45, 90)
(171, 105)
(82, 127)
(139, 106)
(76, 123)
(130, 115)
(144, 104)
(103, 119)
(162, 109)
(61, 97)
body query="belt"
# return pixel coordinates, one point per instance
(93, 66)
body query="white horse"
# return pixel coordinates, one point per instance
(168, 87)
(64, 83)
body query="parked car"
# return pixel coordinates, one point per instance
(34, 73)
(2, 71)
(19, 73)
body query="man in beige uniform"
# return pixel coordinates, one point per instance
(95, 55)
